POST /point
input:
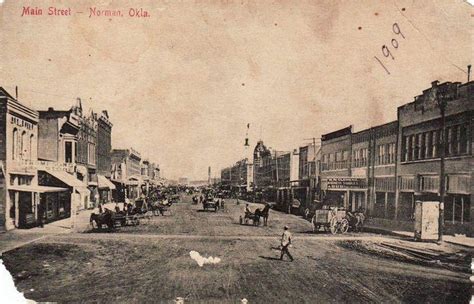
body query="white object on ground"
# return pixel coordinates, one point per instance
(202, 260)
(8, 291)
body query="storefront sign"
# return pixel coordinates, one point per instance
(21, 123)
(345, 183)
(46, 165)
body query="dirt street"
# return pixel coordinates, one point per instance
(151, 263)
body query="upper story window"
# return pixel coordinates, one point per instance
(426, 145)
(15, 144)
(385, 154)
(335, 161)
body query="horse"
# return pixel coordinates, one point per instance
(356, 220)
(158, 207)
(255, 217)
(105, 218)
(264, 213)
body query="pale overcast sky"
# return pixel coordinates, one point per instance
(181, 85)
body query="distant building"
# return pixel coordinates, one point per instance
(198, 183)
(235, 178)
(104, 144)
(104, 157)
(126, 173)
(336, 182)
(183, 181)
(263, 166)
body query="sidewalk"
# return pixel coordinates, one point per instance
(19, 237)
(457, 239)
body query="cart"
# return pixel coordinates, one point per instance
(332, 219)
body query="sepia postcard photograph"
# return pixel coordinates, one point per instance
(236, 151)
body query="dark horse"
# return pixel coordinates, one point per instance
(105, 218)
(356, 220)
(263, 213)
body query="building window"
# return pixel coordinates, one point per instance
(32, 137)
(15, 144)
(68, 152)
(421, 143)
(75, 151)
(449, 141)
(428, 144)
(435, 143)
(463, 139)
(457, 209)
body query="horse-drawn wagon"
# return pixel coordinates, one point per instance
(210, 203)
(330, 219)
(122, 219)
(255, 216)
(336, 220)
(113, 219)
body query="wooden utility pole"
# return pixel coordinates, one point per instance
(442, 95)
(314, 155)
(276, 164)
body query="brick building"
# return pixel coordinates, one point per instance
(418, 163)
(104, 157)
(336, 180)
(57, 144)
(22, 190)
(126, 173)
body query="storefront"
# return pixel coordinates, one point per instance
(105, 187)
(133, 187)
(344, 192)
(119, 194)
(79, 197)
(384, 200)
(25, 201)
(457, 204)
(406, 197)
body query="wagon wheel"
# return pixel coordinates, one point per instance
(316, 227)
(333, 225)
(344, 226)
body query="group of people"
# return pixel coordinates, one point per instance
(201, 199)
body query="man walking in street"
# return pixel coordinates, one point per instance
(285, 243)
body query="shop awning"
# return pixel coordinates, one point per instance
(132, 183)
(134, 180)
(105, 183)
(66, 178)
(83, 190)
(40, 189)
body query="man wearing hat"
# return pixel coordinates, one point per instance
(285, 243)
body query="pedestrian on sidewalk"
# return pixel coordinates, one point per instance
(285, 243)
(40, 215)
